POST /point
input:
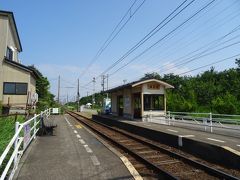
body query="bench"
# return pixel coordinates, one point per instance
(47, 126)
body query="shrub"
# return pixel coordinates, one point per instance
(226, 104)
(1, 107)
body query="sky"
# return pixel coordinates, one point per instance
(62, 38)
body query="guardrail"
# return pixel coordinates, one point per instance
(203, 121)
(24, 134)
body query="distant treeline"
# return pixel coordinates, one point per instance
(98, 100)
(211, 91)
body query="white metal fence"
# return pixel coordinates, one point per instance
(24, 134)
(208, 122)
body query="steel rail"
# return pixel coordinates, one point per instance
(164, 174)
(210, 170)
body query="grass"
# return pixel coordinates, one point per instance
(7, 130)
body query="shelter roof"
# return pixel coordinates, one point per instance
(140, 82)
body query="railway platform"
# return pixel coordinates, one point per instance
(208, 146)
(71, 153)
(230, 142)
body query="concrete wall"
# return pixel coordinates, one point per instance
(32, 87)
(13, 74)
(11, 42)
(196, 148)
(3, 45)
(3, 36)
(6, 40)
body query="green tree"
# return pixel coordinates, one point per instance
(45, 98)
(153, 75)
(227, 104)
(237, 61)
(210, 91)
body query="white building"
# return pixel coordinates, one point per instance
(139, 98)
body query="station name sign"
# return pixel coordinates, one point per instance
(153, 86)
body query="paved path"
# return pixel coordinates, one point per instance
(72, 153)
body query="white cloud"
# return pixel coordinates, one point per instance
(69, 75)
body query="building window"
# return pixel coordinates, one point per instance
(153, 102)
(15, 88)
(9, 54)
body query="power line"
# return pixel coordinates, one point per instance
(182, 46)
(154, 44)
(201, 55)
(209, 64)
(116, 30)
(193, 58)
(196, 56)
(207, 54)
(151, 33)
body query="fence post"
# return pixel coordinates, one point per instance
(150, 116)
(15, 143)
(41, 119)
(210, 118)
(205, 123)
(169, 116)
(35, 124)
(48, 112)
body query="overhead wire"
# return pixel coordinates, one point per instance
(114, 33)
(183, 46)
(203, 55)
(158, 41)
(213, 44)
(216, 62)
(206, 45)
(150, 34)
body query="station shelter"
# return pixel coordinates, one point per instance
(138, 99)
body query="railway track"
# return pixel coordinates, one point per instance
(151, 160)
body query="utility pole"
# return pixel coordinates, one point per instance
(93, 95)
(103, 86)
(78, 94)
(107, 81)
(107, 84)
(103, 82)
(58, 97)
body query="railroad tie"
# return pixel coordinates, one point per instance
(167, 162)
